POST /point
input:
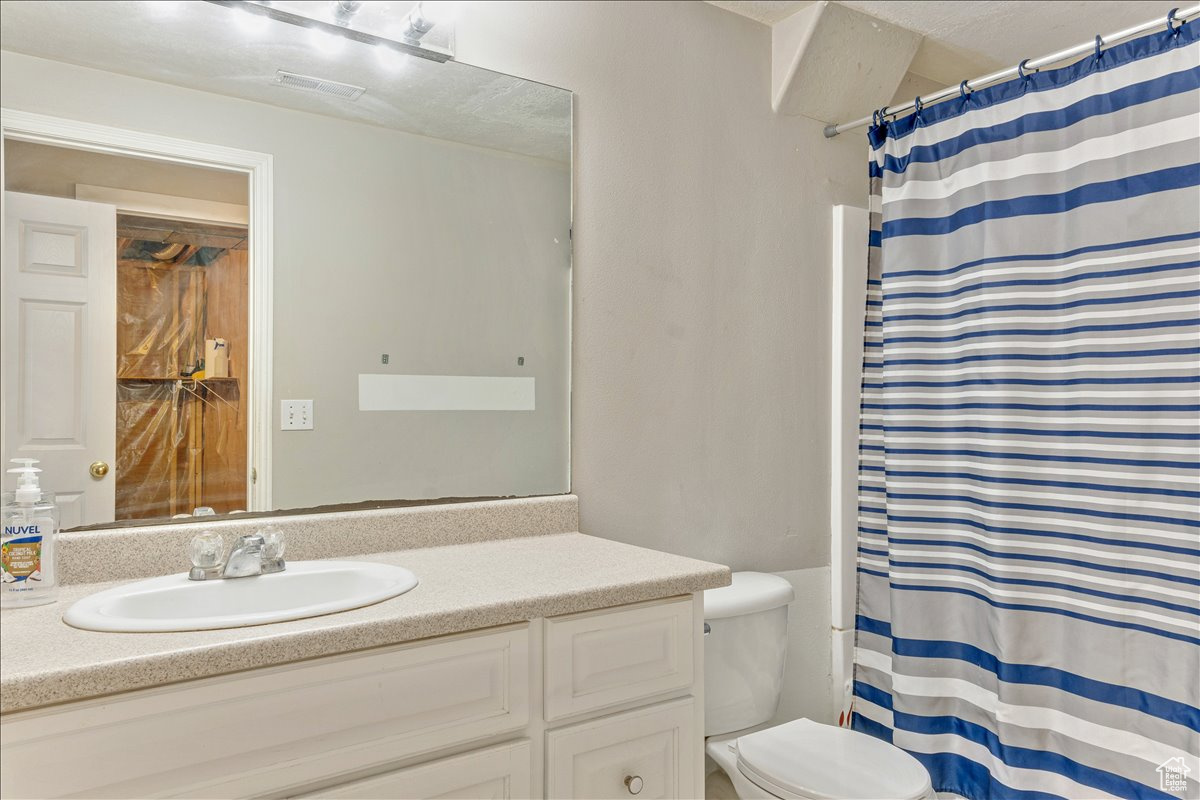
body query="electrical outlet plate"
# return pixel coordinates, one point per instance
(296, 415)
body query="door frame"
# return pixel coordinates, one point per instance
(27, 126)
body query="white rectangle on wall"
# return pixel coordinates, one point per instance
(444, 393)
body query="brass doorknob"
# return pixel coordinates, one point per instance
(98, 469)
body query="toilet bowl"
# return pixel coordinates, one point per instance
(745, 649)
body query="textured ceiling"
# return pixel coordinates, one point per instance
(1007, 31)
(965, 38)
(766, 11)
(204, 46)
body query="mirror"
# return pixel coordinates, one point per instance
(251, 265)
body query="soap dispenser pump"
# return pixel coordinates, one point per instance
(27, 566)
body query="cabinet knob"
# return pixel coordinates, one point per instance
(98, 469)
(633, 783)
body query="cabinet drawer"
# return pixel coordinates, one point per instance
(494, 773)
(603, 658)
(655, 747)
(272, 729)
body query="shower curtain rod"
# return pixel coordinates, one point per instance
(1026, 65)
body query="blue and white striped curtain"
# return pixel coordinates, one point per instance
(1029, 561)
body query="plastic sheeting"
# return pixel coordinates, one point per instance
(152, 425)
(180, 443)
(159, 318)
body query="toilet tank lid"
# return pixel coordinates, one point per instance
(749, 592)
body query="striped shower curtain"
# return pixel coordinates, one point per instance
(1029, 562)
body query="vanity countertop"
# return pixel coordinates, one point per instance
(462, 587)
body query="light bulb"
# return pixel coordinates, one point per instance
(417, 23)
(342, 11)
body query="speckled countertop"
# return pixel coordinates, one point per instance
(463, 587)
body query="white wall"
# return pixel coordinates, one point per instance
(702, 242)
(450, 258)
(807, 685)
(701, 375)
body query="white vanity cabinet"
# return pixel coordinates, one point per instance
(489, 773)
(599, 704)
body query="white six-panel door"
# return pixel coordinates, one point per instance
(59, 347)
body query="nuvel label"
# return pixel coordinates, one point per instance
(22, 557)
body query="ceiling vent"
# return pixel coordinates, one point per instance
(346, 91)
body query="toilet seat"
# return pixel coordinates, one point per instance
(805, 760)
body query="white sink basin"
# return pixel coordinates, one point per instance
(304, 589)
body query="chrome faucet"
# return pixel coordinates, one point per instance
(245, 559)
(253, 554)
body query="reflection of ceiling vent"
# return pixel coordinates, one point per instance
(346, 91)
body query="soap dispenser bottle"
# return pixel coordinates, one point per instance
(27, 568)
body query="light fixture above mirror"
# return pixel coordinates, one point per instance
(424, 29)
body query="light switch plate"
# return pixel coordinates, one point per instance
(296, 415)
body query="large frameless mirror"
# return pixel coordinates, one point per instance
(252, 264)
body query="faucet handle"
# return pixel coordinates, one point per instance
(273, 548)
(207, 551)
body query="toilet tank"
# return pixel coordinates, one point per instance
(745, 649)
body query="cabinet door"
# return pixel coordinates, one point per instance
(649, 753)
(493, 773)
(272, 730)
(599, 659)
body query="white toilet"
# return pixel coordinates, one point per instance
(745, 647)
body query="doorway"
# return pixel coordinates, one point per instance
(139, 377)
(182, 331)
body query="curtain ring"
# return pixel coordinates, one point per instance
(963, 91)
(917, 105)
(1171, 22)
(1099, 44)
(875, 118)
(1021, 69)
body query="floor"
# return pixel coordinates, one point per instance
(717, 786)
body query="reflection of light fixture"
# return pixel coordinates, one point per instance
(260, 8)
(416, 24)
(343, 10)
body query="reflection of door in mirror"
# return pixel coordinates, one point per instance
(126, 332)
(59, 340)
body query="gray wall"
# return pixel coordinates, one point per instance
(700, 399)
(450, 258)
